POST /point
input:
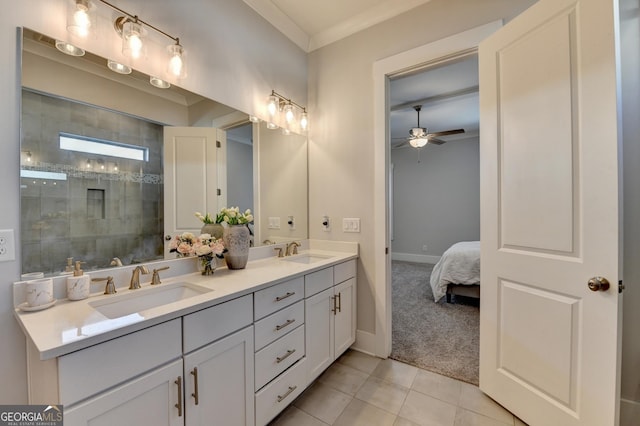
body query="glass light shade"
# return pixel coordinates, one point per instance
(132, 40)
(177, 67)
(272, 106)
(272, 126)
(304, 121)
(80, 17)
(118, 67)
(254, 119)
(418, 142)
(69, 49)
(159, 83)
(288, 113)
(286, 131)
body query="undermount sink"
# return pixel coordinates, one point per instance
(137, 301)
(306, 258)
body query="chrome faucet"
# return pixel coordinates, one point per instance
(292, 248)
(155, 280)
(116, 262)
(135, 278)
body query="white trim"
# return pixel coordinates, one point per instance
(417, 258)
(365, 342)
(382, 69)
(276, 17)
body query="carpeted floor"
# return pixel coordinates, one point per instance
(440, 337)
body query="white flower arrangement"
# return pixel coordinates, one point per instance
(233, 216)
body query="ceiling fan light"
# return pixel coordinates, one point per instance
(418, 142)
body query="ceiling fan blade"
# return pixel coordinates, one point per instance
(401, 144)
(436, 141)
(445, 133)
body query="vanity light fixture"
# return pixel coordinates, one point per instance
(88, 164)
(254, 119)
(277, 103)
(159, 83)
(132, 29)
(28, 156)
(286, 131)
(80, 17)
(271, 125)
(69, 48)
(118, 67)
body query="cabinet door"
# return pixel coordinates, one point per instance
(319, 322)
(221, 377)
(148, 400)
(345, 316)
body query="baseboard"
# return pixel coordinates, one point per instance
(629, 412)
(417, 258)
(365, 342)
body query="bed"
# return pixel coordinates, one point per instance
(457, 271)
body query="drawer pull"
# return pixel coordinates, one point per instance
(287, 393)
(285, 356)
(289, 322)
(334, 309)
(289, 294)
(339, 296)
(178, 382)
(195, 385)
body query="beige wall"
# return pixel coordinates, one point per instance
(235, 57)
(341, 163)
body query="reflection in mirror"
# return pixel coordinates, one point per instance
(103, 208)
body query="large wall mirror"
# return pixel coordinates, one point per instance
(92, 166)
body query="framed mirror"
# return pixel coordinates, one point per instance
(81, 199)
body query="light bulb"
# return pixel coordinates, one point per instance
(254, 119)
(176, 67)
(272, 106)
(288, 113)
(79, 21)
(132, 43)
(272, 126)
(304, 121)
(29, 157)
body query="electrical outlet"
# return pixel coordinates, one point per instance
(7, 245)
(424, 248)
(291, 222)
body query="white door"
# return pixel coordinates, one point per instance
(150, 400)
(319, 323)
(549, 214)
(194, 174)
(219, 382)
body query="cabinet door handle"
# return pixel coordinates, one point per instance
(195, 385)
(289, 322)
(289, 294)
(333, 299)
(178, 382)
(339, 296)
(287, 393)
(285, 356)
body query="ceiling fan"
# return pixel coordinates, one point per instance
(419, 136)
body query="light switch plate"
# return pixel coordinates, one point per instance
(351, 224)
(274, 223)
(7, 245)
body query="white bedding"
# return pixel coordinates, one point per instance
(459, 264)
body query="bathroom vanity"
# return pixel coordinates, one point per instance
(235, 348)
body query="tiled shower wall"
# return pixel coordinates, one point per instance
(95, 214)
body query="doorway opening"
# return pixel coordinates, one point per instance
(434, 208)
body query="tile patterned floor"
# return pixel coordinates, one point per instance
(361, 390)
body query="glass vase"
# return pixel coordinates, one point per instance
(236, 240)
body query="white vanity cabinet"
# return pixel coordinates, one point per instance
(219, 376)
(330, 315)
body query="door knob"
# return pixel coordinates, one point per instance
(167, 237)
(598, 284)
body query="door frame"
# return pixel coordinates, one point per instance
(409, 61)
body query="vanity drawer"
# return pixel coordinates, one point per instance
(208, 325)
(278, 356)
(94, 369)
(344, 271)
(277, 395)
(318, 281)
(278, 324)
(276, 297)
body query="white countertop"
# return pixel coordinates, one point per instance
(73, 325)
